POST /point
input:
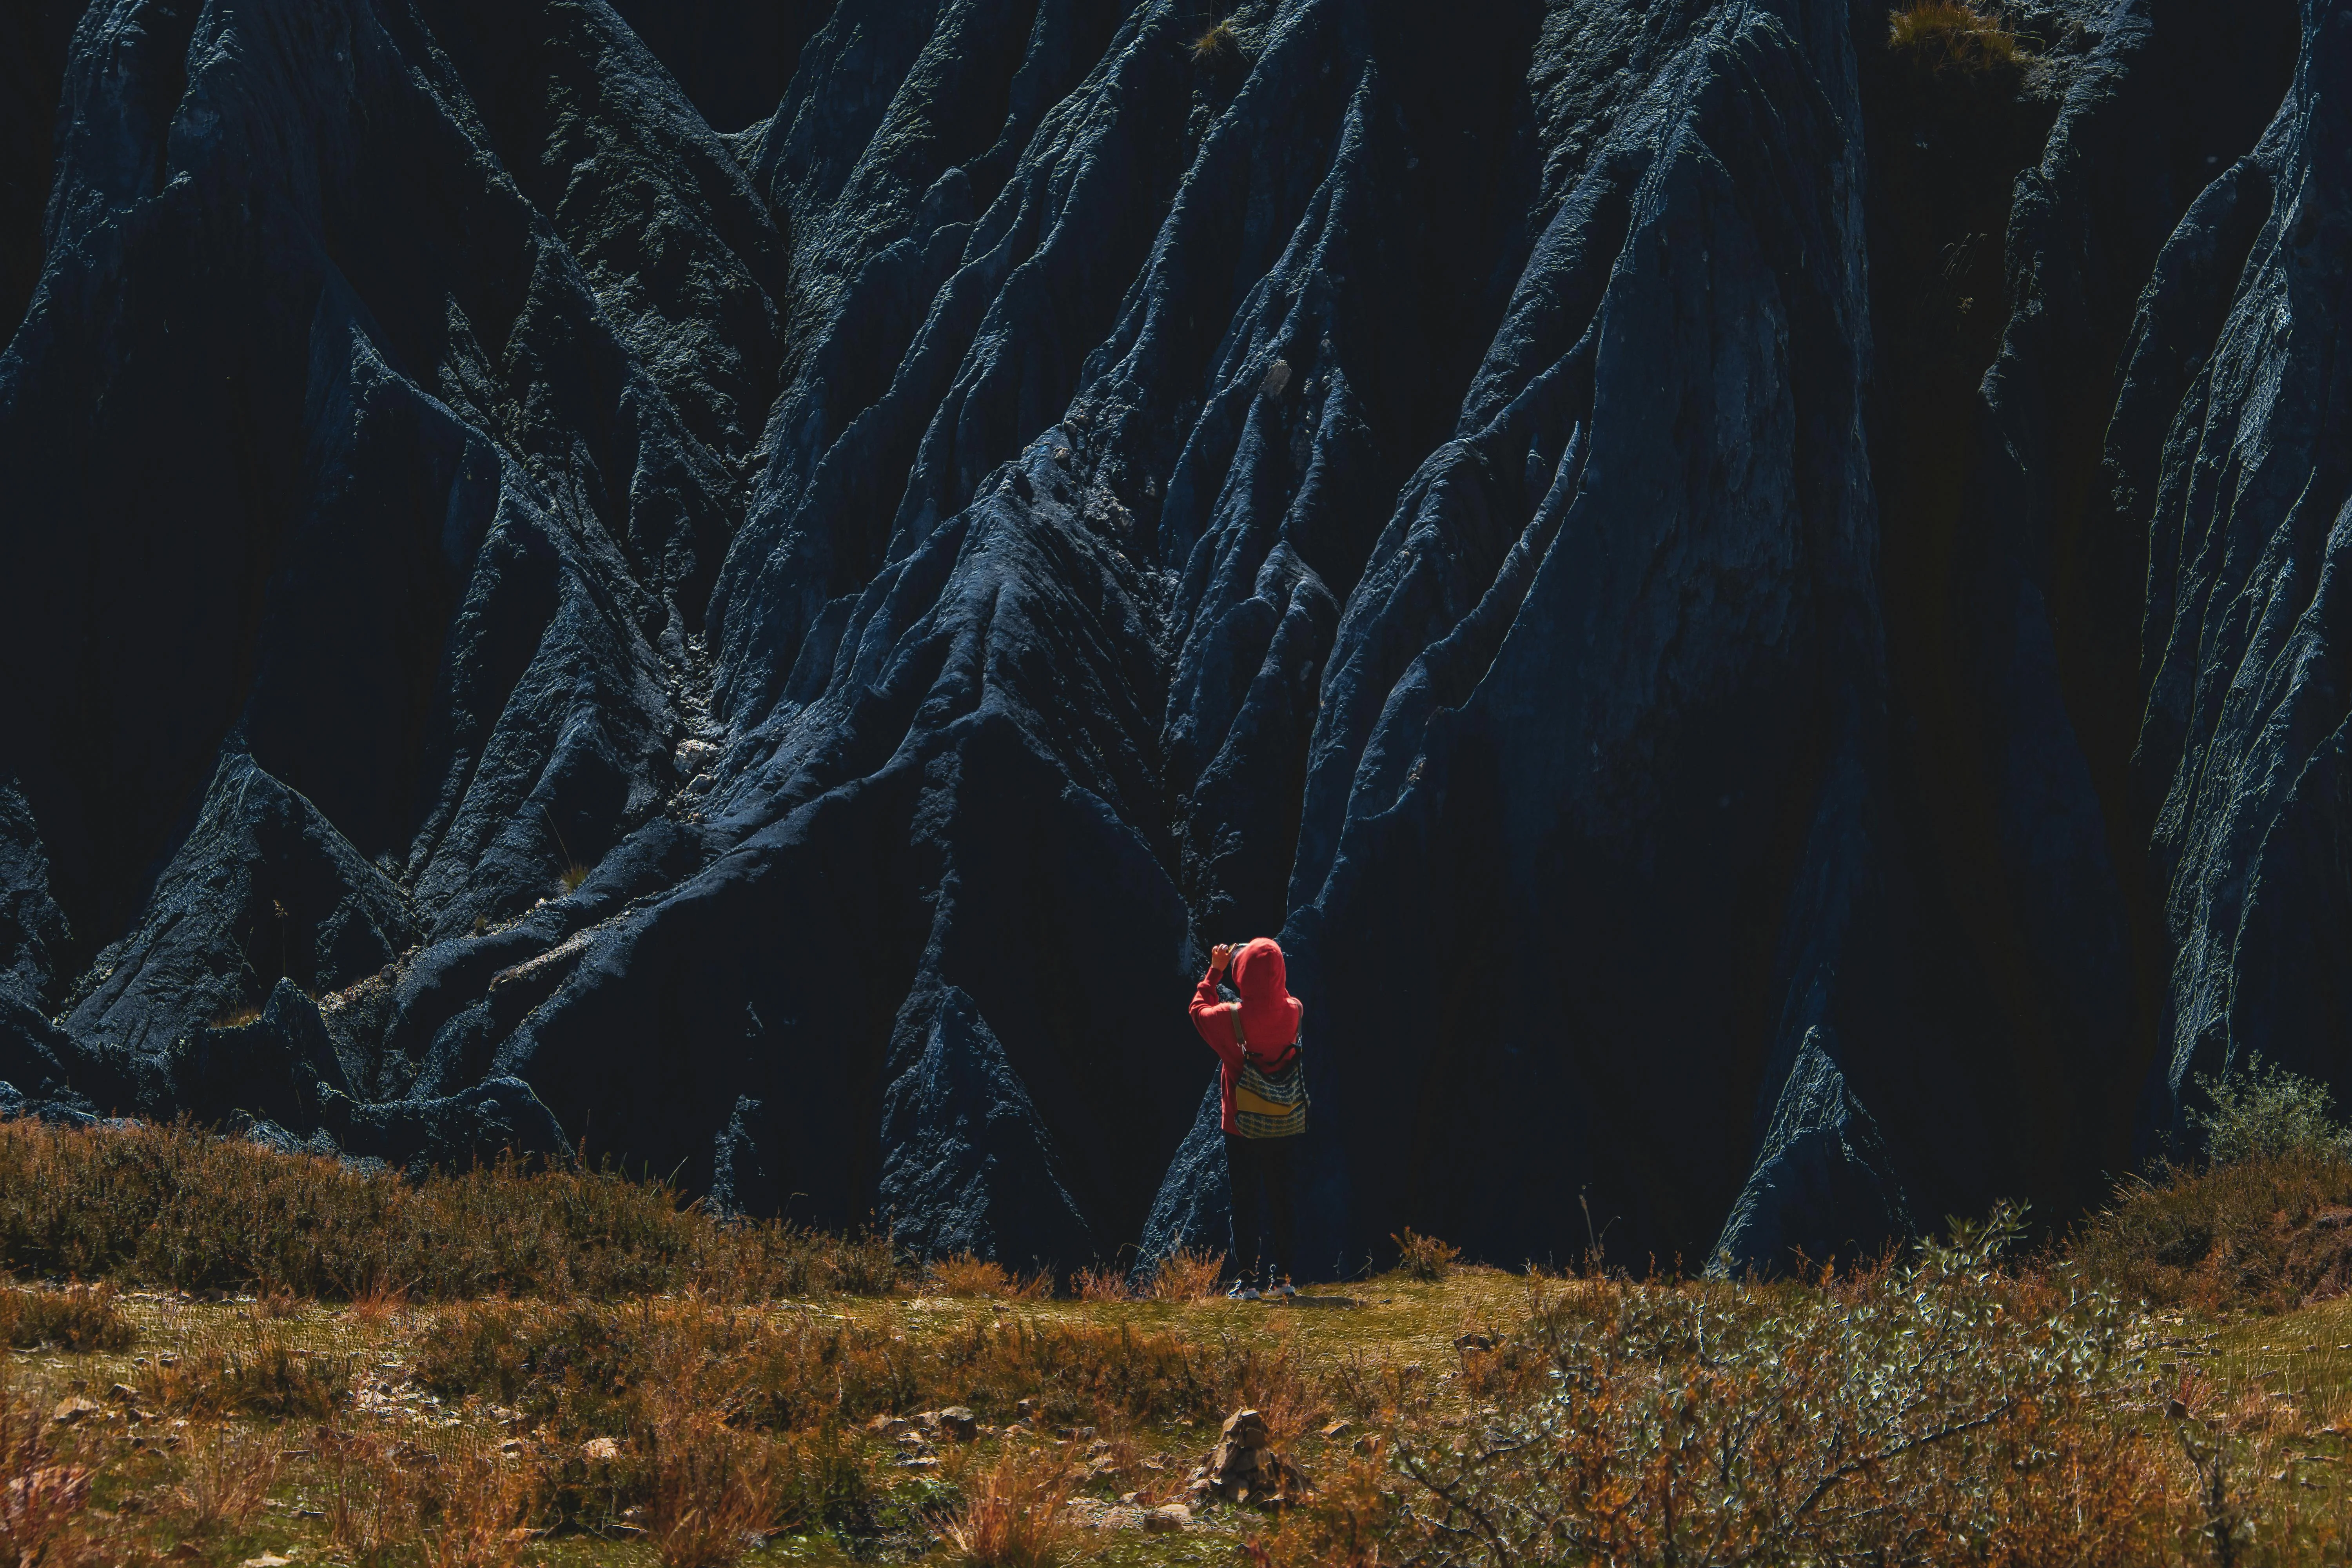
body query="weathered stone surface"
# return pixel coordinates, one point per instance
(2228, 446)
(777, 652)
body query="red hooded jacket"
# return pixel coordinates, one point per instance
(1270, 1015)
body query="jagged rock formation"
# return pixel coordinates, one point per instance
(532, 620)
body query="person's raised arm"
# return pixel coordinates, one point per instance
(1212, 1016)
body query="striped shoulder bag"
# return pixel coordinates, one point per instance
(1268, 1102)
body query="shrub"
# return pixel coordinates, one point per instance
(1929, 1411)
(2264, 1233)
(1953, 37)
(1424, 1257)
(80, 1319)
(862, 1263)
(822, 1479)
(2266, 1111)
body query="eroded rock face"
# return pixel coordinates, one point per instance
(775, 653)
(2228, 445)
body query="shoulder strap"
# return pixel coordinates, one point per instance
(1289, 1052)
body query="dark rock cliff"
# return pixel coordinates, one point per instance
(751, 593)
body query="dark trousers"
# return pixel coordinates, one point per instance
(1260, 1168)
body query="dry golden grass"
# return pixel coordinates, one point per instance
(277, 1303)
(260, 1374)
(1100, 1284)
(174, 1205)
(378, 1303)
(80, 1318)
(1013, 1514)
(1951, 37)
(227, 1477)
(587, 1369)
(1945, 1406)
(482, 1518)
(2264, 1235)
(44, 1496)
(714, 1492)
(1219, 45)
(1424, 1257)
(963, 1274)
(1186, 1275)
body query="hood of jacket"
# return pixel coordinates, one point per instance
(1270, 1014)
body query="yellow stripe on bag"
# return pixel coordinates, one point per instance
(1267, 1105)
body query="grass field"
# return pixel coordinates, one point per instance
(686, 1393)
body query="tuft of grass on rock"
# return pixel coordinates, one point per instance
(1952, 38)
(1219, 46)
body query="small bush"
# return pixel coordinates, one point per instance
(1952, 38)
(572, 876)
(1013, 1514)
(2266, 1235)
(822, 1480)
(1424, 1257)
(1942, 1410)
(80, 1319)
(864, 1263)
(2264, 1113)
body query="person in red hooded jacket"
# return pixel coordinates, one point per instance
(1260, 1167)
